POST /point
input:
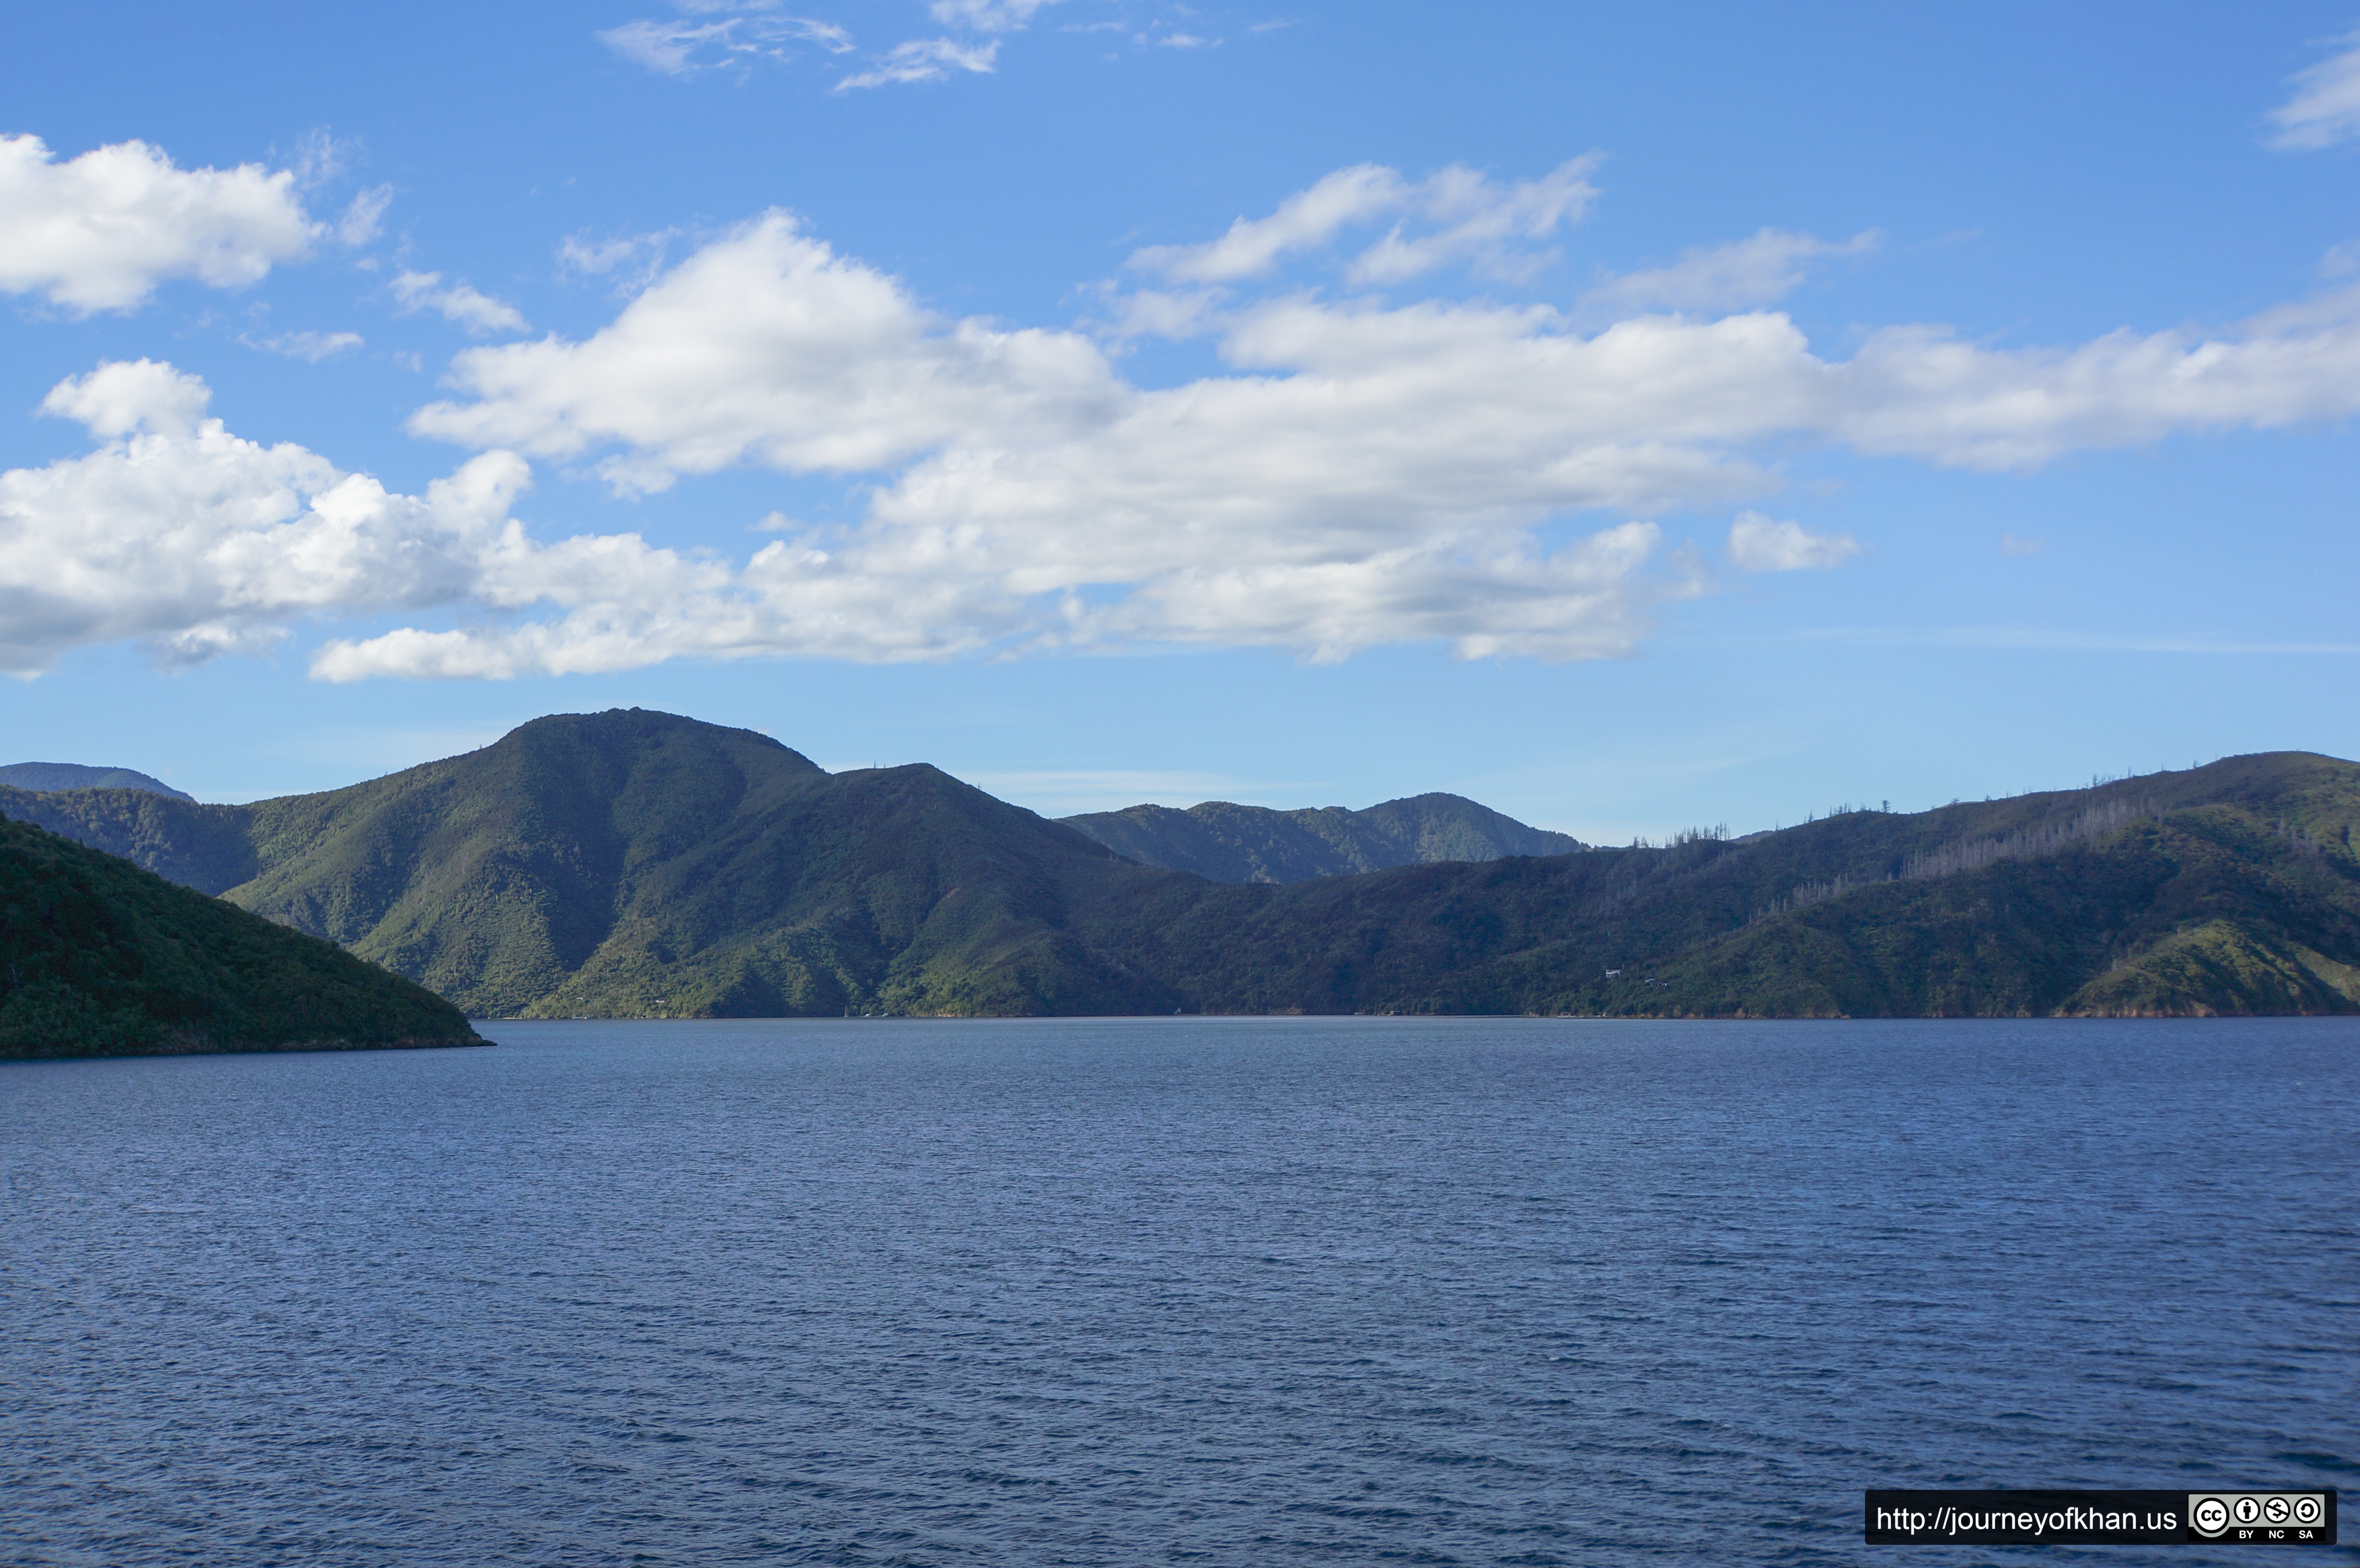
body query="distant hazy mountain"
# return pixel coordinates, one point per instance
(76, 776)
(635, 863)
(99, 958)
(1228, 843)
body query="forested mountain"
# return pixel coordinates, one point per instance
(636, 863)
(99, 958)
(77, 775)
(1226, 843)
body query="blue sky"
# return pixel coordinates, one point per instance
(1630, 417)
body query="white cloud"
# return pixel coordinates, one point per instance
(101, 231)
(364, 219)
(1359, 475)
(631, 259)
(1481, 221)
(922, 60)
(765, 346)
(1760, 270)
(1757, 543)
(310, 346)
(755, 32)
(1304, 220)
(1456, 216)
(176, 533)
(122, 396)
(2019, 544)
(2325, 108)
(986, 16)
(477, 313)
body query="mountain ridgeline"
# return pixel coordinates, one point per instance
(1223, 842)
(632, 864)
(78, 776)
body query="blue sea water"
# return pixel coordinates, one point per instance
(1220, 1291)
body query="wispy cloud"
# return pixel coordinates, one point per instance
(1458, 214)
(310, 346)
(2018, 544)
(988, 16)
(630, 259)
(922, 60)
(461, 302)
(2324, 109)
(741, 35)
(364, 219)
(1759, 271)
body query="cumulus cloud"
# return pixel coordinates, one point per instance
(1358, 474)
(922, 60)
(754, 32)
(175, 533)
(765, 346)
(122, 396)
(477, 313)
(1456, 216)
(2325, 108)
(1757, 543)
(1760, 270)
(101, 231)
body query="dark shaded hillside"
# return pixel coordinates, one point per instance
(204, 847)
(1223, 842)
(78, 776)
(99, 958)
(636, 863)
(2148, 902)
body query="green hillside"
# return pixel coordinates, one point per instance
(1223, 842)
(636, 863)
(99, 958)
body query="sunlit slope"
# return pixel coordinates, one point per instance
(1228, 843)
(492, 877)
(99, 958)
(897, 889)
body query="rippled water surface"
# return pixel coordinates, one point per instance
(1217, 1291)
